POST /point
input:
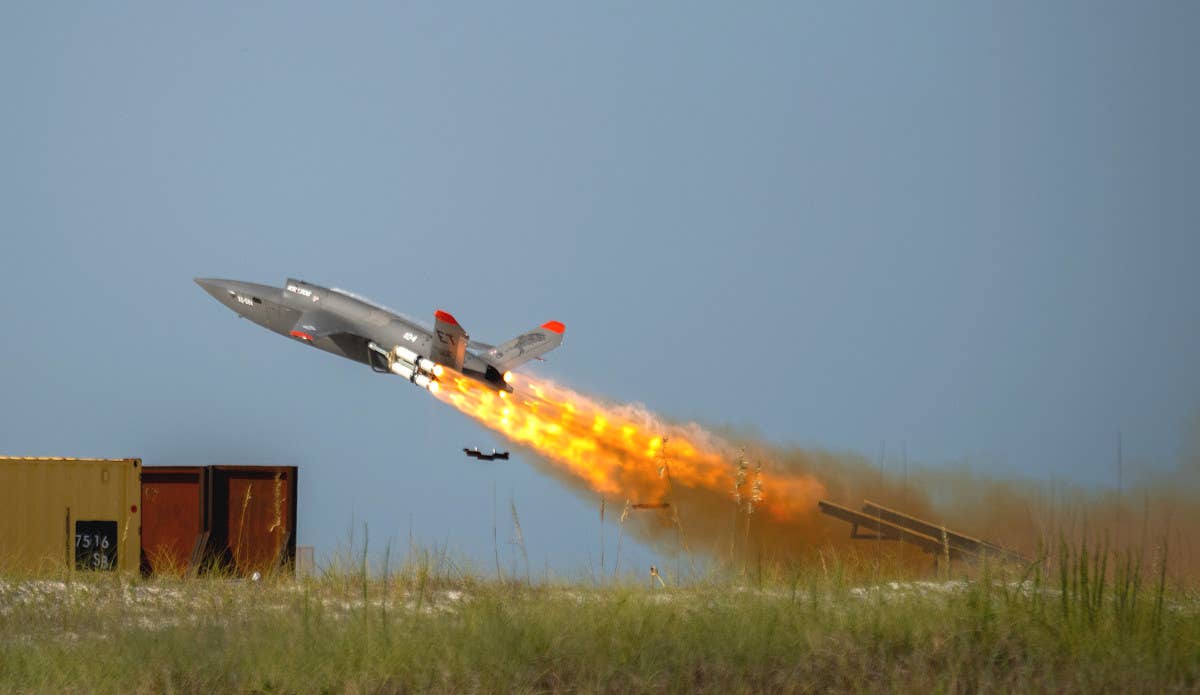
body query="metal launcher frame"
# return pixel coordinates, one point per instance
(891, 525)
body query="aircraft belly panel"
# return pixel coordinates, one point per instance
(281, 319)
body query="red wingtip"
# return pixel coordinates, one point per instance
(554, 326)
(302, 335)
(443, 316)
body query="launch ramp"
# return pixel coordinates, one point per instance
(891, 525)
(884, 530)
(963, 543)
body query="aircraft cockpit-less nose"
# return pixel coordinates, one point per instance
(229, 293)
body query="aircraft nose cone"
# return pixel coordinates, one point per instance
(216, 288)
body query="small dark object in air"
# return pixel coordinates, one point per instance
(476, 453)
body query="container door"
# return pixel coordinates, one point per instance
(172, 510)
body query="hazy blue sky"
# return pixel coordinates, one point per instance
(966, 230)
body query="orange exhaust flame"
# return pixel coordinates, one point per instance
(706, 494)
(621, 451)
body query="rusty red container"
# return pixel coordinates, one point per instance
(173, 523)
(251, 518)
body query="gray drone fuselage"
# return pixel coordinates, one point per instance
(353, 327)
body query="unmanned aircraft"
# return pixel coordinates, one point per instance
(354, 327)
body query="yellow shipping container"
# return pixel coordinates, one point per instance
(63, 513)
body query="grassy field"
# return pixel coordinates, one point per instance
(1074, 623)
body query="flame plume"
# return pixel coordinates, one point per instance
(696, 478)
(624, 451)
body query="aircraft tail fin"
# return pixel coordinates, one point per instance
(526, 346)
(449, 341)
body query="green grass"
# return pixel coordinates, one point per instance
(1078, 621)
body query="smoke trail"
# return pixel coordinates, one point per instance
(730, 496)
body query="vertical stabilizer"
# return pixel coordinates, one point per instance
(449, 341)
